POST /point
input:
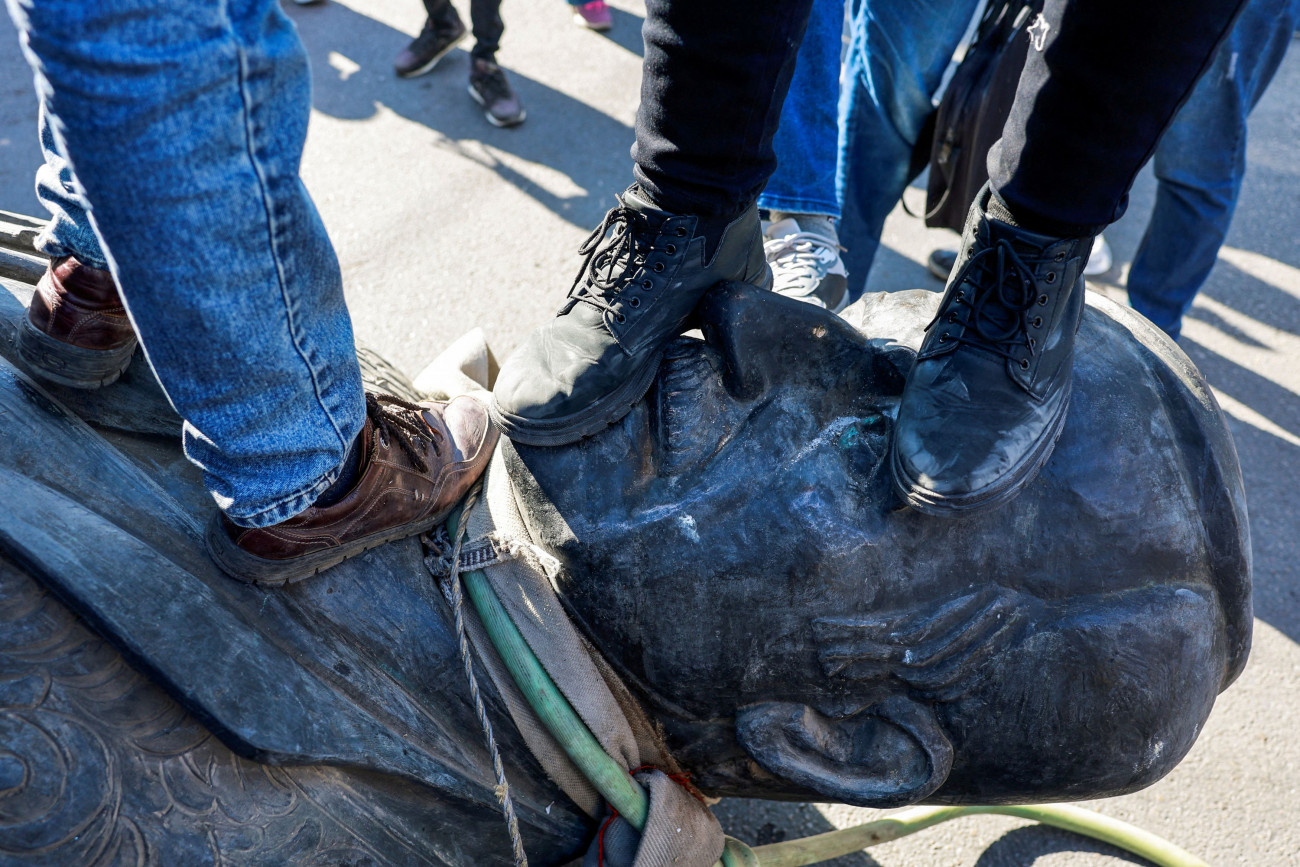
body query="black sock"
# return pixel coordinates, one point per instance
(347, 480)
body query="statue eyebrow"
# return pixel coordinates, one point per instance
(937, 651)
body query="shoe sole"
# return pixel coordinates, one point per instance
(588, 422)
(496, 122)
(264, 572)
(72, 366)
(938, 505)
(428, 67)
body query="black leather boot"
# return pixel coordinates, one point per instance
(645, 271)
(987, 398)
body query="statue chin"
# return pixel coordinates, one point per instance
(733, 548)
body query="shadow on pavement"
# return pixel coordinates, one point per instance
(352, 79)
(1024, 846)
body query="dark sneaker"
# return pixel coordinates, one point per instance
(645, 271)
(803, 252)
(490, 88)
(76, 332)
(419, 462)
(593, 16)
(433, 43)
(987, 398)
(940, 264)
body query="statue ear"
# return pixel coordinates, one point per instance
(888, 755)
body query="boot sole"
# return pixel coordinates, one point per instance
(265, 572)
(587, 422)
(73, 366)
(433, 61)
(1004, 490)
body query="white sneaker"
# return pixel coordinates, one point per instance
(1100, 261)
(805, 261)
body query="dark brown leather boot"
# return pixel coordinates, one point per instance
(420, 461)
(76, 332)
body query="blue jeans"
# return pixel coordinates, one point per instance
(69, 232)
(897, 56)
(807, 139)
(1200, 164)
(184, 123)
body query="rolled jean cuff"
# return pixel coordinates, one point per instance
(281, 509)
(799, 206)
(52, 248)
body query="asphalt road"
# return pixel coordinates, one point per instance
(444, 223)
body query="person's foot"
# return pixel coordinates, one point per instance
(418, 461)
(988, 395)
(490, 88)
(645, 271)
(803, 251)
(76, 332)
(433, 43)
(940, 264)
(593, 16)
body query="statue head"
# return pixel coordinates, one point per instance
(735, 550)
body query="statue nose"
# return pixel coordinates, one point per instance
(766, 339)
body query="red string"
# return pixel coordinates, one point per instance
(600, 838)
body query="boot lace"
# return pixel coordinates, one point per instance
(608, 263)
(800, 261)
(400, 421)
(994, 313)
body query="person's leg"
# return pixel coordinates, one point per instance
(69, 232)
(714, 78)
(805, 141)
(485, 21)
(898, 52)
(76, 332)
(185, 131)
(1102, 82)
(442, 30)
(989, 392)
(802, 246)
(488, 84)
(1200, 163)
(713, 83)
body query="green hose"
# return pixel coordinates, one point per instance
(833, 844)
(626, 796)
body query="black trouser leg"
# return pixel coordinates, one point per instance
(485, 19)
(713, 82)
(1094, 101)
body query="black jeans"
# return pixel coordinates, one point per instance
(485, 21)
(1089, 110)
(1094, 101)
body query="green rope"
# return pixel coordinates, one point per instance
(626, 796)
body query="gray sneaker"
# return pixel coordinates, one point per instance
(803, 251)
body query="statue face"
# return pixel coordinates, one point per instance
(734, 547)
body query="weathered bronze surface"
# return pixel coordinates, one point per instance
(733, 548)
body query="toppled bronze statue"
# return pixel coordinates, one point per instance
(732, 547)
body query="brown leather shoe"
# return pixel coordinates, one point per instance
(76, 332)
(419, 462)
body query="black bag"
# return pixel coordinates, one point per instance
(974, 109)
